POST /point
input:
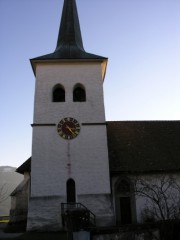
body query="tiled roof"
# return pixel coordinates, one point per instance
(144, 146)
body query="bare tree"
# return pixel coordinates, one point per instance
(162, 196)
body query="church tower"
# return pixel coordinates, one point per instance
(69, 146)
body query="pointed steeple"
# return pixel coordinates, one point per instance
(69, 32)
(69, 43)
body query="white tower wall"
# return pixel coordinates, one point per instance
(83, 159)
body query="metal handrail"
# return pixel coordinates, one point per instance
(69, 207)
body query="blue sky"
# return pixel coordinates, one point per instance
(141, 38)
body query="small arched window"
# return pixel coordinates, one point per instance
(79, 93)
(58, 93)
(71, 191)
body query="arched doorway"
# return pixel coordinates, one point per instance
(125, 205)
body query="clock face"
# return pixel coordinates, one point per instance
(68, 128)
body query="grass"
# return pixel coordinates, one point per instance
(4, 221)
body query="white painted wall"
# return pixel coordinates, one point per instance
(87, 154)
(69, 74)
(55, 160)
(141, 203)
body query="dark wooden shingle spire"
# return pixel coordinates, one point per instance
(69, 32)
(69, 43)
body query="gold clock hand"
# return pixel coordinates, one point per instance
(70, 129)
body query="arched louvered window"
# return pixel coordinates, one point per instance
(58, 93)
(79, 93)
(71, 191)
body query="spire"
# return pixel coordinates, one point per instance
(69, 43)
(69, 32)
